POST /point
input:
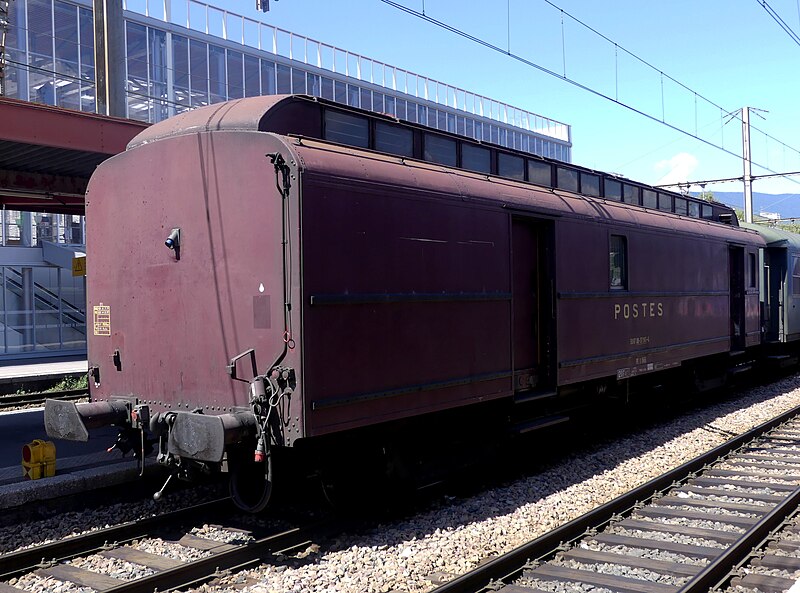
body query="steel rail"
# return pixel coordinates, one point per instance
(720, 569)
(19, 399)
(17, 563)
(202, 570)
(506, 566)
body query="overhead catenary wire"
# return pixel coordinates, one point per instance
(487, 44)
(781, 23)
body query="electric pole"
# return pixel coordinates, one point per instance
(748, 177)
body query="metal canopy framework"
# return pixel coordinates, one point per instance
(47, 154)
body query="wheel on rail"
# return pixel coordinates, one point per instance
(374, 480)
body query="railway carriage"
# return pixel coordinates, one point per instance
(780, 286)
(285, 273)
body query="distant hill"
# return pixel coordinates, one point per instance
(787, 205)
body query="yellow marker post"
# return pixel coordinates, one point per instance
(38, 460)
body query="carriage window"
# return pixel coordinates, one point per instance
(394, 139)
(665, 202)
(681, 206)
(649, 198)
(694, 209)
(440, 150)
(618, 260)
(708, 211)
(590, 184)
(540, 173)
(752, 258)
(613, 190)
(476, 158)
(346, 128)
(795, 276)
(630, 194)
(567, 179)
(511, 166)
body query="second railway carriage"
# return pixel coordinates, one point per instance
(282, 272)
(780, 294)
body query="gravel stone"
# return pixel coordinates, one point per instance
(667, 537)
(457, 534)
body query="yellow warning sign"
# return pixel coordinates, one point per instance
(79, 266)
(102, 320)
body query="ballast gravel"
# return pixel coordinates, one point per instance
(455, 537)
(458, 534)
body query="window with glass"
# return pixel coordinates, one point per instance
(540, 173)
(618, 262)
(752, 276)
(509, 165)
(613, 190)
(708, 211)
(681, 206)
(252, 87)
(346, 128)
(694, 209)
(216, 74)
(235, 75)
(476, 158)
(649, 198)
(567, 179)
(394, 139)
(795, 276)
(284, 79)
(665, 202)
(198, 77)
(327, 88)
(590, 184)
(439, 149)
(630, 194)
(180, 69)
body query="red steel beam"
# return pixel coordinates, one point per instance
(44, 125)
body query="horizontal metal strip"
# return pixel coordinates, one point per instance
(620, 294)
(610, 357)
(352, 399)
(407, 297)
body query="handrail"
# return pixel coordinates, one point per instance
(202, 17)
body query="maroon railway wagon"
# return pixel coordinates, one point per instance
(287, 273)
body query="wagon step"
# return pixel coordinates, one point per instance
(534, 395)
(782, 361)
(537, 423)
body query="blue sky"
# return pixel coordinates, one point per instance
(731, 53)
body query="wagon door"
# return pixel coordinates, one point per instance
(530, 296)
(774, 281)
(737, 300)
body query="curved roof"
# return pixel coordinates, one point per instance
(240, 114)
(318, 157)
(775, 237)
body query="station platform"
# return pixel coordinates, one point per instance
(79, 466)
(76, 474)
(29, 372)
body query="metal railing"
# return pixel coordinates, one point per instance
(40, 313)
(211, 20)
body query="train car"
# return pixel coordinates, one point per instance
(280, 273)
(780, 294)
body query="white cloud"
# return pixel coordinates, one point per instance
(676, 170)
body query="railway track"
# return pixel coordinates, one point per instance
(691, 530)
(61, 560)
(18, 400)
